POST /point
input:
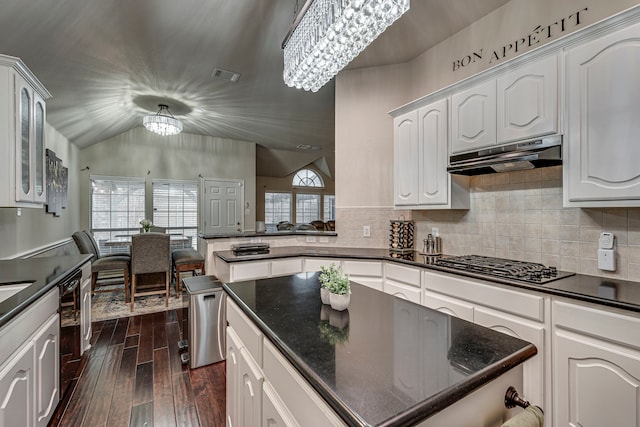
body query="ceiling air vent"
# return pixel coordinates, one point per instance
(231, 76)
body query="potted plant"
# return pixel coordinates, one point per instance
(336, 283)
(146, 225)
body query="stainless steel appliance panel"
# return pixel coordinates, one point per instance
(207, 326)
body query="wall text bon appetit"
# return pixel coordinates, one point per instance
(538, 35)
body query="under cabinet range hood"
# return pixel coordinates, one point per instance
(532, 154)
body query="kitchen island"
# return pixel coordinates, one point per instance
(383, 362)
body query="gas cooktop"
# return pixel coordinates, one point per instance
(528, 272)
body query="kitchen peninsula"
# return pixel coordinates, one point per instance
(383, 361)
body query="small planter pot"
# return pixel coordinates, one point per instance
(339, 302)
(324, 296)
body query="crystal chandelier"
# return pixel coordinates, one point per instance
(163, 122)
(328, 34)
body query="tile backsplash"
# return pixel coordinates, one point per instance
(517, 215)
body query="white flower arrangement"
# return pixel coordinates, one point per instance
(146, 224)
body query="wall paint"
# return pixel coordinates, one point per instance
(364, 143)
(140, 153)
(35, 228)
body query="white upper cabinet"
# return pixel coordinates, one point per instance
(22, 149)
(527, 104)
(602, 115)
(433, 150)
(406, 158)
(421, 180)
(473, 117)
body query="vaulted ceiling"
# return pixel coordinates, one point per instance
(108, 63)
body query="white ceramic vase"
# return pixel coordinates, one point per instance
(339, 302)
(324, 295)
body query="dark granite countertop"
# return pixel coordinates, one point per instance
(45, 273)
(268, 234)
(605, 291)
(359, 359)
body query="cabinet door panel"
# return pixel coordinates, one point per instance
(232, 362)
(16, 390)
(454, 307)
(274, 412)
(602, 115)
(434, 154)
(402, 291)
(596, 383)
(473, 118)
(406, 158)
(47, 348)
(527, 104)
(250, 393)
(534, 370)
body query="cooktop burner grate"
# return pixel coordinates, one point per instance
(529, 272)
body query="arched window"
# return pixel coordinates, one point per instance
(307, 178)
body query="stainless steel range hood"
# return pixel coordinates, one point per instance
(537, 153)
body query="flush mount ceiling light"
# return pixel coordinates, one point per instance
(163, 122)
(327, 34)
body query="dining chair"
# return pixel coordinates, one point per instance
(103, 263)
(184, 260)
(149, 254)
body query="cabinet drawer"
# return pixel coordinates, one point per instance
(283, 267)
(606, 325)
(314, 264)
(399, 273)
(249, 270)
(403, 291)
(520, 303)
(460, 309)
(304, 403)
(362, 268)
(18, 330)
(250, 335)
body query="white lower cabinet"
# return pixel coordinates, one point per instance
(596, 366)
(47, 370)
(29, 364)
(17, 381)
(517, 313)
(403, 282)
(250, 390)
(263, 389)
(452, 306)
(535, 372)
(314, 264)
(368, 273)
(232, 367)
(85, 308)
(274, 412)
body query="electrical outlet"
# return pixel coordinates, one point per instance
(324, 240)
(435, 231)
(366, 231)
(311, 239)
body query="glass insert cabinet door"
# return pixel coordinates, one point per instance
(30, 144)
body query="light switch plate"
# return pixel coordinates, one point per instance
(606, 259)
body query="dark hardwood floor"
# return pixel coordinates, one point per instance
(133, 376)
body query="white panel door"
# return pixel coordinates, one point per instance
(16, 390)
(434, 154)
(250, 391)
(527, 104)
(595, 383)
(47, 379)
(406, 159)
(222, 206)
(601, 146)
(473, 118)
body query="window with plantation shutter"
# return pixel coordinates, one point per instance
(117, 206)
(175, 207)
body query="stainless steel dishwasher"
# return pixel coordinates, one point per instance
(207, 321)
